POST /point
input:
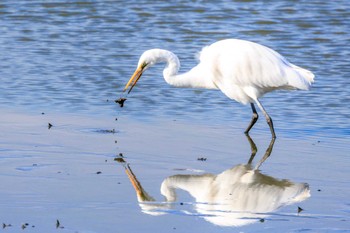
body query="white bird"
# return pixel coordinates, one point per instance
(237, 196)
(244, 71)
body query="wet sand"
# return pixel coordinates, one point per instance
(68, 172)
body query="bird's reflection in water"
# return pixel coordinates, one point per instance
(238, 196)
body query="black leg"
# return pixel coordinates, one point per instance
(268, 119)
(267, 154)
(253, 149)
(255, 117)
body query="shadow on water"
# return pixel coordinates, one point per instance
(238, 196)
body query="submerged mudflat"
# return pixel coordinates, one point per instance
(101, 175)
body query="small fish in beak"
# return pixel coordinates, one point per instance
(120, 101)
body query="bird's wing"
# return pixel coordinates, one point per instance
(238, 64)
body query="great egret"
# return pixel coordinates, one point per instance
(237, 196)
(244, 71)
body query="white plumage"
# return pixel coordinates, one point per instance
(244, 71)
(237, 196)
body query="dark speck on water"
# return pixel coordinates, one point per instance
(120, 101)
(113, 131)
(25, 225)
(58, 224)
(4, 225)
(119, 160)
(300, 209)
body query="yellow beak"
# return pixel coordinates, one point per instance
(134, 78)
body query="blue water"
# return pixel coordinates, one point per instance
(70, 59)
(76, 56)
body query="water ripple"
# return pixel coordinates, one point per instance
(74, 56)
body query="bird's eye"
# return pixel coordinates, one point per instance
(143, 65)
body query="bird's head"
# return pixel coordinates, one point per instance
(147, 59)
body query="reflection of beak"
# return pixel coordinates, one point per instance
(134, 78)
(142, 195)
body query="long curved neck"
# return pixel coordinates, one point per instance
(172, 66)
(195, 78)
(196, 185)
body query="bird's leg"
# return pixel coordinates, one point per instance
(267, 153)
(253, 148)
(268, 118)
(254, 119)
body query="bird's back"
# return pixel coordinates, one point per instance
(245, 70)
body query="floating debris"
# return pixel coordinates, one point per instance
(58, 224)
(4, 225)
(110, 131)
(25, 225)
(106, 131)
(49, 126)
(300, 209)
(120, 101)
(120, 160)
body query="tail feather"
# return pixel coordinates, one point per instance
(302, 78)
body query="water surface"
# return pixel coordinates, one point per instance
(75, 55)
(71, 59)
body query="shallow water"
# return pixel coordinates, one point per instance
(71, 59)
(76, 55)
(69, 173)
